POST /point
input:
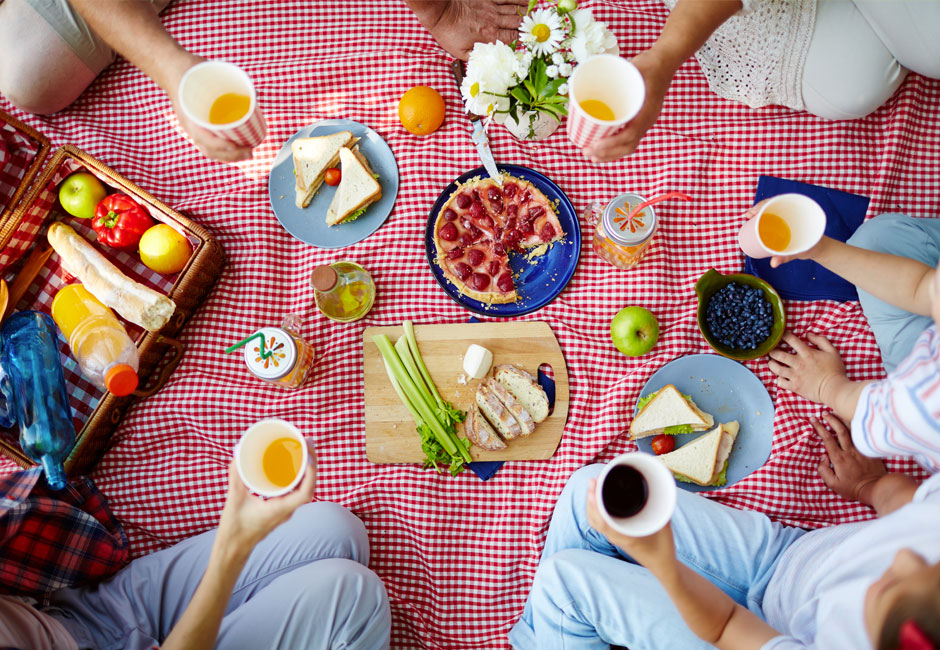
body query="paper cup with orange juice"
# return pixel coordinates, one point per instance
(605, 92)
(219, 97)
(786, 224)
(273, 456)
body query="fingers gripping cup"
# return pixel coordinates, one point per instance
(272, 457)
(787, 224)
(605, 92)
(636, 494)
(219, 96)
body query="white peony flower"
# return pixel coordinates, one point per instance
(558, 58)
(552, 71)
(590, 37)
(565, 70)
(542, 31)
(493, 66)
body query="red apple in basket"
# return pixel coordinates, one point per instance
(634, 331)
(80, 194)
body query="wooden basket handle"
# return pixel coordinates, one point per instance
(167, 370)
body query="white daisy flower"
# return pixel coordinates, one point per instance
(545, 26)
(552, 71)
(590, 37)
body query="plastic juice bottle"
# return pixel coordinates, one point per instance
(34, 392)
(344, 291)
(106, 354)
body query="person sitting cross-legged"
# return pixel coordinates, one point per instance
(735, 580)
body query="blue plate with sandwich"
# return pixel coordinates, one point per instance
(717, 411)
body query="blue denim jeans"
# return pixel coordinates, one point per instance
(306, 585)
(588, 594)
(897, 330)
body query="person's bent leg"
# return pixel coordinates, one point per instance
(582, 600)
(895, 329)
(333, 603)
(910, 29)
(150, 595)
(848, 72)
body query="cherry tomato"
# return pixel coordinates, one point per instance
(332, 176)
(663, 444)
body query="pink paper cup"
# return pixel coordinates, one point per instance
(612, 80)
(207, 81)
(805, 218)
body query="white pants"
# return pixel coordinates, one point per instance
(862, 50)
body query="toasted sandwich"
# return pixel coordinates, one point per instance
(312, 157)
(704, 461)
(357, 188)
(668, 411)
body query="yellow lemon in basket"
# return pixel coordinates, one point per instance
(164, 250)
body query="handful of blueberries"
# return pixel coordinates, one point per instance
(739, 316)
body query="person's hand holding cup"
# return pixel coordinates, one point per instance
(605, 93)
(783, 227)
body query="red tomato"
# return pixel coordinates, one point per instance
(663, 444)
(332, 176)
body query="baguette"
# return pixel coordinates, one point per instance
(133, 301)
(480, 433)
(526, 389)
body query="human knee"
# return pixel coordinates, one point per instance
(27, 92)
(312, 519)
(360, 593)
(882, 232)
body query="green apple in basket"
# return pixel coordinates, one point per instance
(634, 331)
(80, 194)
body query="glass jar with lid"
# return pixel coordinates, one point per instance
(286, 359)
(620, 241)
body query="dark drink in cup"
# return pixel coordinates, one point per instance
(636, 494)
(625, 491)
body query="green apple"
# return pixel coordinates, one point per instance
(80, 194)
(634, 331)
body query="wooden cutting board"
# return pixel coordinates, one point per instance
(390, 430)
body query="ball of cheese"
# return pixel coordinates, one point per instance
(477, 361)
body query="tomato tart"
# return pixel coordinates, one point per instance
(481, 224)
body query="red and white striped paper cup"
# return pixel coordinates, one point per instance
(204, 83)
(609, 79)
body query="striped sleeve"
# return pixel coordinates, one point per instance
(900, 415)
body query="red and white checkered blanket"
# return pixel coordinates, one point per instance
(458, 555)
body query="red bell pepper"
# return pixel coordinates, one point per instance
(120, 221)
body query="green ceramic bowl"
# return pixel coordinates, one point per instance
(712, 281)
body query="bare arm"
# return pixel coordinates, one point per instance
(707, 610)
(245, 521)
(688, 27)
(457, 24)
(134, 30)
(899, 281)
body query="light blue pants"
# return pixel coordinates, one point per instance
(305, 586)
(588, 595)
(897, 330)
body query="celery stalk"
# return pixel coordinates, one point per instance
(416, 353)
(401, 347)
(401, 394)
(414, 394)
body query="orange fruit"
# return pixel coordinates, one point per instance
(421, 110)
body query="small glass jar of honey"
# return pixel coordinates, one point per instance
(287, 359)
(617, 239)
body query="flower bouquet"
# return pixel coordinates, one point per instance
(524, 85)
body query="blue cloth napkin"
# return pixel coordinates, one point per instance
(485, 469)
(805, 279)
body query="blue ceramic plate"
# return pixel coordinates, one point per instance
(728, 391)
(309, 224)
(537, 284)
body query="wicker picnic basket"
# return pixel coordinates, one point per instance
(23, 221)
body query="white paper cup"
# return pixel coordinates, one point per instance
(612, 80)
(249, 453)
(660, 502)
(805, 218)
(207, 81)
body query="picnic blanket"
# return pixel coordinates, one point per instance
(458, 555)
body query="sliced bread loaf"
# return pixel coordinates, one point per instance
(480, 433)
(498, 415)
(525, 389)
(526, 423)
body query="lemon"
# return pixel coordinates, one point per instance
(164, 250)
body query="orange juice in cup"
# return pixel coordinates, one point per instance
(605, 92)
(786, 224)
(220, 97)
(272, 457)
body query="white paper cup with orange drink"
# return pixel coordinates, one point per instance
(604, 93)
(220, 97)
(272, 457)
(786, 224)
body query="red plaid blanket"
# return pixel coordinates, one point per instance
(458, 555)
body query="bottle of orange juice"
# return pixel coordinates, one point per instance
(105, 353)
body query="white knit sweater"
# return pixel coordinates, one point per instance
(757, 56)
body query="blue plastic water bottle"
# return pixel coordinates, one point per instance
(34, 393)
